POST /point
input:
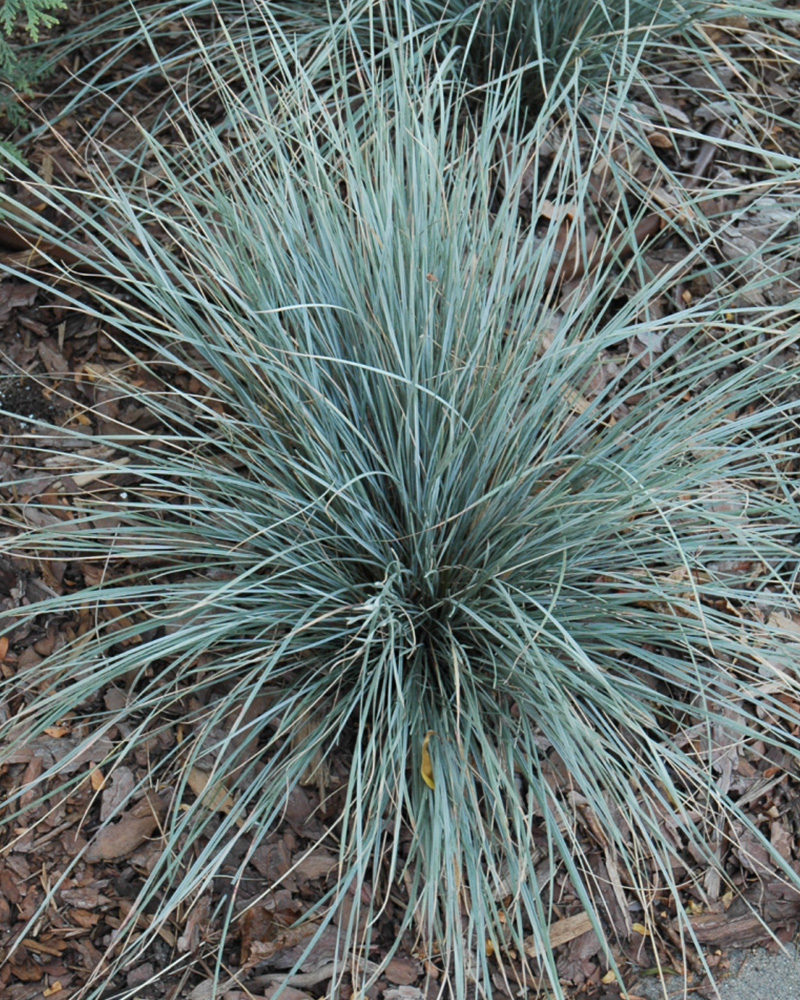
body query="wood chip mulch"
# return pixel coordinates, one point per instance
(58, 920)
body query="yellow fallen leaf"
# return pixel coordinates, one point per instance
(640, 929)
(52, 990)
(609, 977)
(426, 769)
(57, 732)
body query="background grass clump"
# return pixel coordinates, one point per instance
(576, 44)
(405, 518)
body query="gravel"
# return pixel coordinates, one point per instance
(758, 975)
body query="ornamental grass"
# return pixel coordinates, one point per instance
(413, 500)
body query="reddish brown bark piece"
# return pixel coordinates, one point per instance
(403, 971)
(131, 831)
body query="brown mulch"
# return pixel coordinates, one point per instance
(58, 920)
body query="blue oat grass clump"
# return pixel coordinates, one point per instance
(409, 509)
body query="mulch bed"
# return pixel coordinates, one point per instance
(57, 920)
